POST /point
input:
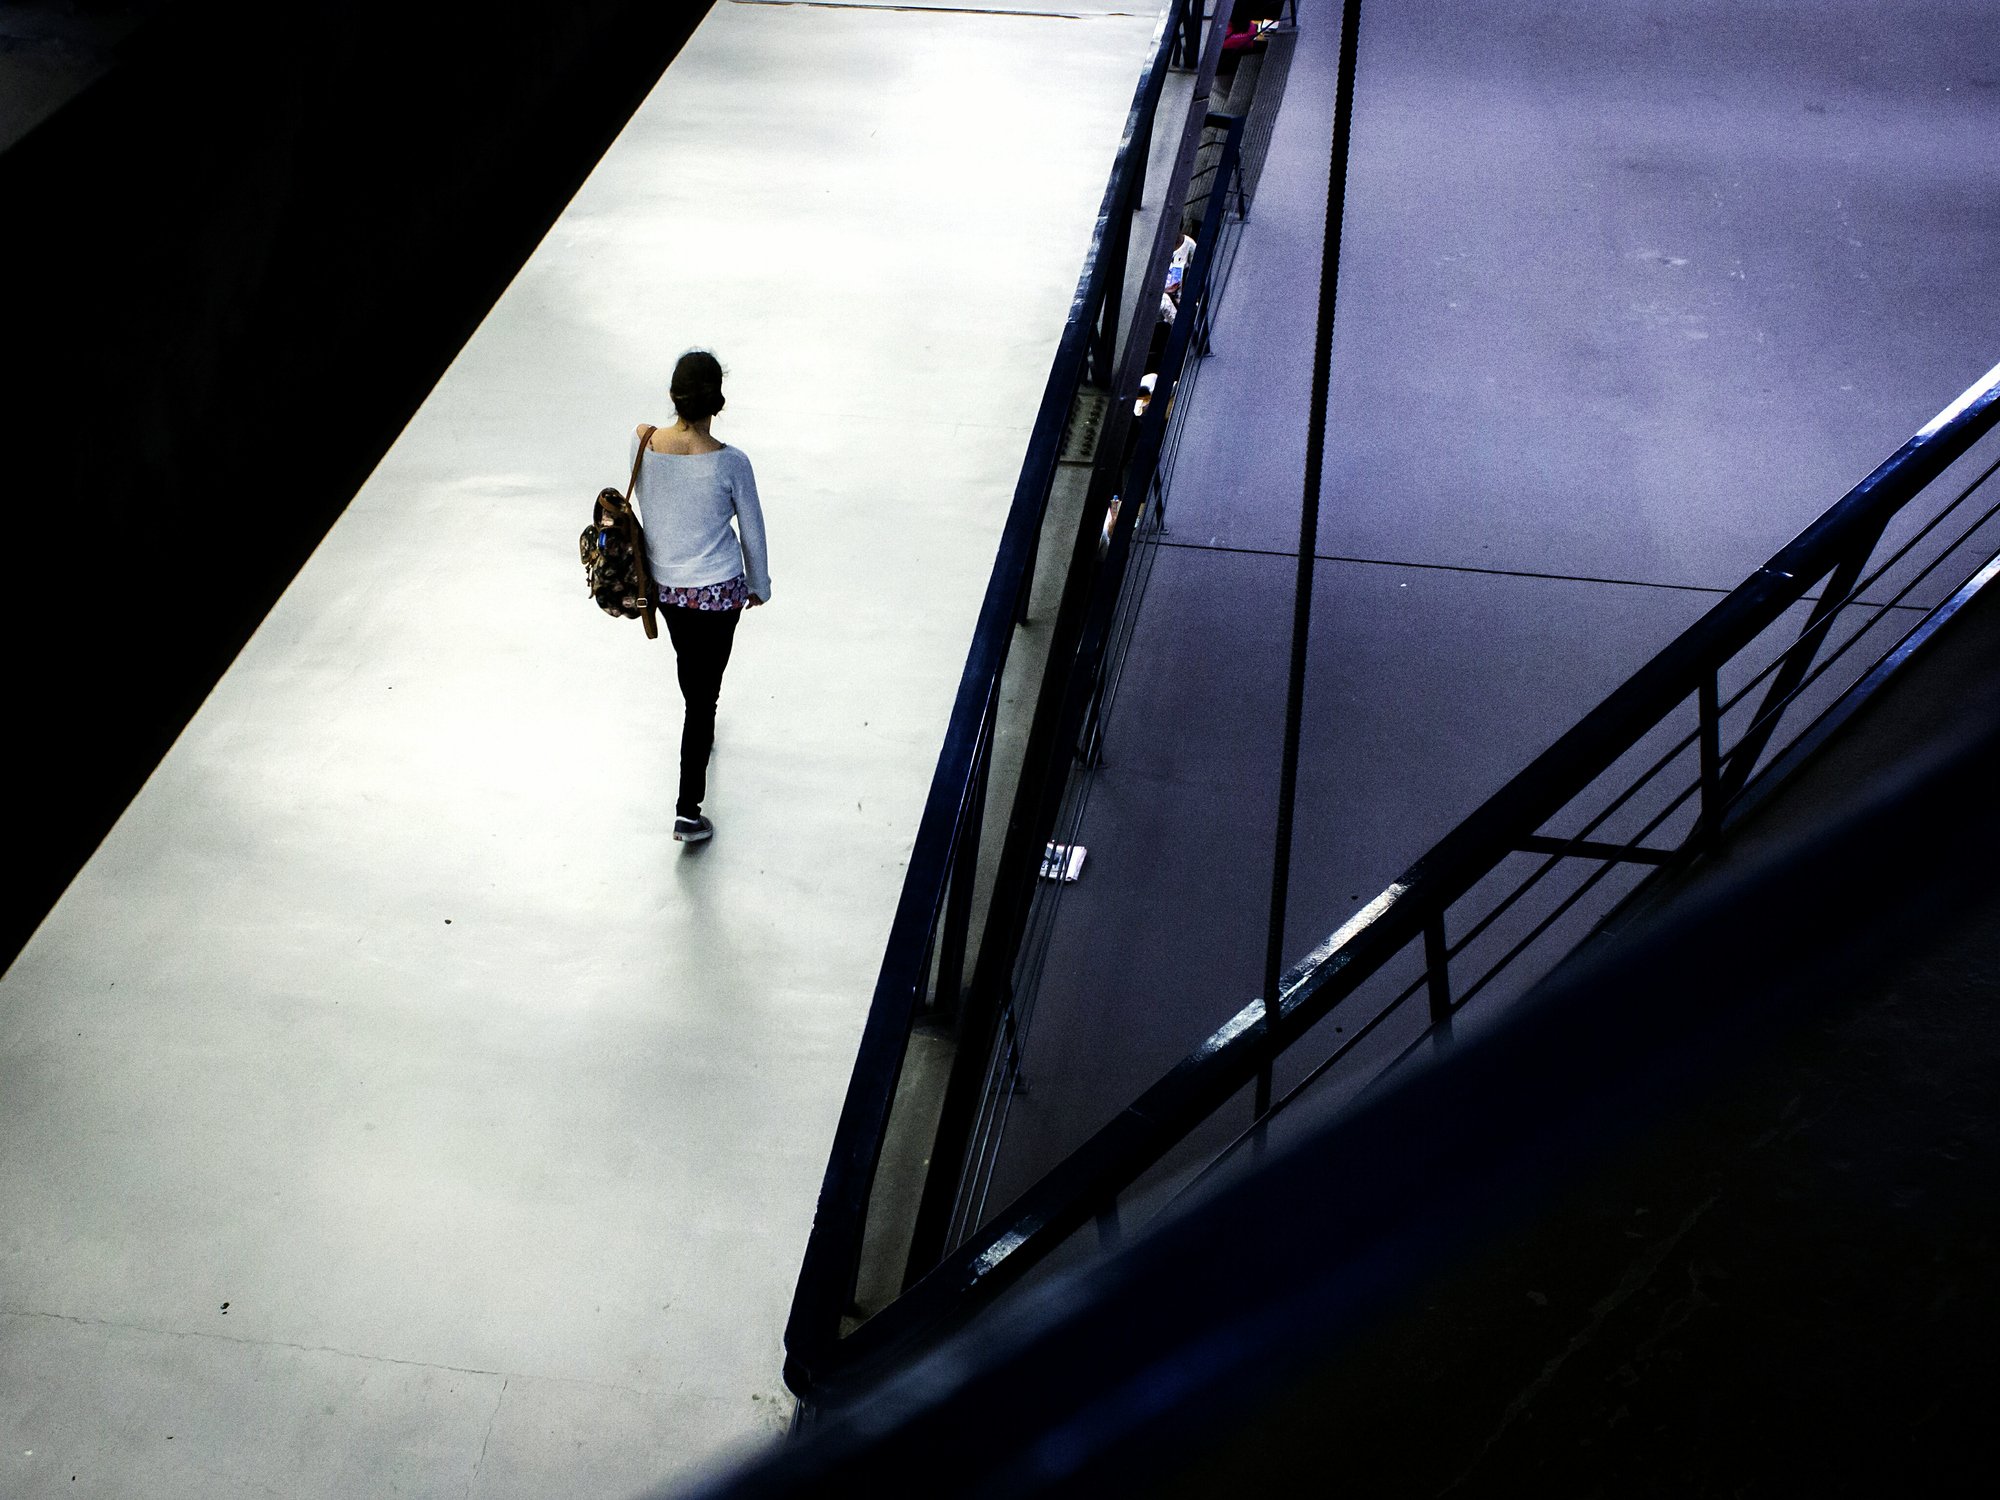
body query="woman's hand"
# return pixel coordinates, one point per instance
(752, 602)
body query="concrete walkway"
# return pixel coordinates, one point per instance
(390, 1106)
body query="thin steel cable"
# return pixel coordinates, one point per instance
(1589, 883)
(1584, 888)
(1420, 981)
(1605, 869)
(1554, 859)
(1005, 1110)
(1772, 710)
(1894, 647)
(1673, 806)
(1290, 1095)
(989, 1089)
(1869, 582)
(1681, 746)
(1302, 590)
(1139, 568)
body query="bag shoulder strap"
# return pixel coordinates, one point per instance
(638, 534)
(639, 457)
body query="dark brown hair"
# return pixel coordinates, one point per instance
(697, 385)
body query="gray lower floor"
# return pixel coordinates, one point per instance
(1628, 295)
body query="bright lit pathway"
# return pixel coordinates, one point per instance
(390, 1106)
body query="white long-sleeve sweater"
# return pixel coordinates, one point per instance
(685, 503)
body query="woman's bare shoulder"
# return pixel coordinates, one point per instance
(688, 445)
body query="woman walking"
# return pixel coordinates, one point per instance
(690, 486)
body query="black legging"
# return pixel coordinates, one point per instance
(702, 638)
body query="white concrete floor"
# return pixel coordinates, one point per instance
(390, 1106)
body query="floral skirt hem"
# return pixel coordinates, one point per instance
(733, 593)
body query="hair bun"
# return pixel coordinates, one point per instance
(697, 385)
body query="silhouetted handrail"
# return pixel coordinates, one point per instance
(1120, 1371)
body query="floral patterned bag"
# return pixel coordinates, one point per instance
(613, 549)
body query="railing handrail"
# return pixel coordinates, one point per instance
(1046, 751)
(1196, 297)
(832, 1256)
(1580, 755)
(1112, 1159)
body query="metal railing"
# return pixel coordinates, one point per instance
(1607, 776)
(923, 969)
(1076, 654)
(1116, 587)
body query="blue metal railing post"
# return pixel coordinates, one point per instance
(958, 894)
(1188, 18)
(1437, 976)
(1798, 661)
(1104, 362)
(1710, 730)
